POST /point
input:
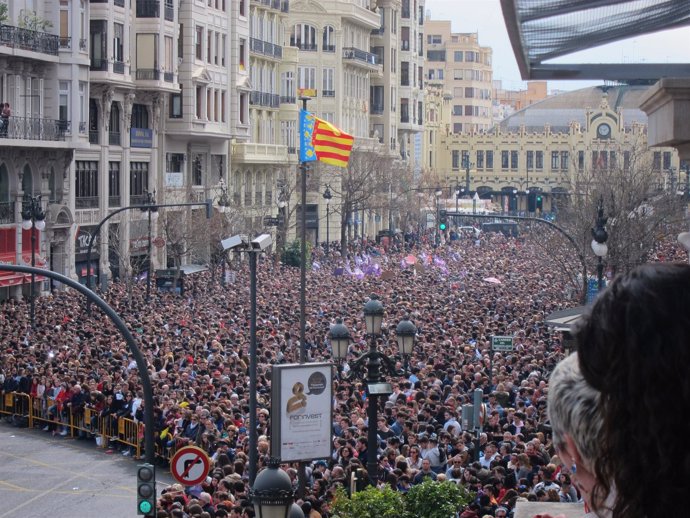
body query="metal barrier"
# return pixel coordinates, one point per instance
(17, 406)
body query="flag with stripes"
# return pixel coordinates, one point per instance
(321, 140)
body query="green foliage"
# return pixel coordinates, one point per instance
(370, 503)
(31, 21)
(292, 254)
(4, 16)
(436, 499)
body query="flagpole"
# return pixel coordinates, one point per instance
(302, 468)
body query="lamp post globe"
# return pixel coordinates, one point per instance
(373, 315)
(340, 339)
(405, 334)
(272, 493)
(295, 511)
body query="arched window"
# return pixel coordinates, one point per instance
(197, 170)
(28, 181)
(328, 39)
(303, 36)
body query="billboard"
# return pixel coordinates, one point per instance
(301, 416)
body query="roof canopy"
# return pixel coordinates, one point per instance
(541, 30)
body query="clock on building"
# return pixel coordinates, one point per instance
(604, 131)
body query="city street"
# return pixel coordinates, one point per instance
(44, 476)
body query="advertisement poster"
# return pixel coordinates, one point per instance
(302, 396)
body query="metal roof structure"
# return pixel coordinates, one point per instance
(565, 319)
(541, 30)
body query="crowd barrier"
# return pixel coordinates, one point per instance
(26, 411)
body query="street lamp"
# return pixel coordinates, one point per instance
(327, 196)
(376, 363)
(467, 165)
(33, 218)
(272, 493)
(600, 236)
(152, 210)
(458, 193)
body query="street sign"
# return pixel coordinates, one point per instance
(190, 466)
(502, 343)
(159, 242)
(270, 221)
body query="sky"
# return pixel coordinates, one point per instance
(486, 18)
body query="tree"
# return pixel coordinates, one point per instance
(32, 21)
(432, 499)
(365, 184)
(4, 13)
(370, 503)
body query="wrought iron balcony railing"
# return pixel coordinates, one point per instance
(26, 39)
(34, 128)
(359, 55)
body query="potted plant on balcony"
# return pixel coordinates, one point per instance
(3, 13)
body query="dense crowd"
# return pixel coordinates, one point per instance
(458, 296)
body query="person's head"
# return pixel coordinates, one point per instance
(633, 347)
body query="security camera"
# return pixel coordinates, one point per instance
(239, 240)
(262, 242)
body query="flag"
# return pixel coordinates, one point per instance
(321, 140)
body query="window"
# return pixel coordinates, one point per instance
(436, 55)
(530, 160)
(656, 161)
(303, 36)
(513, 159)
(198, 170)
(328, 84)
(554, 160)
(564, 160)
(64, 110)
(243, 53)
(82, 107)
(457, 109)
(209, 48)
(223, 45)
(140, 116)
(243, 7)
(223, 106)
(457, 127)
(198, 42)
(199, 102)
(480, 159)
(64, 22)
(174, 162)
(86, 188)
(505, 156)
(434, 39)
(457, 75)
(394, 60)
(626, 159)
(581, 160)
(113, 184)
(540, 159)
(456, 159)
(219, 165)
(306, 77)
(328, 39)
(176, 105)
(147, 56)
(168, 67)
(489, 159)
(667, 160)
(99, 45)
(118, 38)
(138, 178)
(457, 56)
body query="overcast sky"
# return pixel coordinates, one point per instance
(486, 18)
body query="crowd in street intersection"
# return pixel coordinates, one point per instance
(197, 350)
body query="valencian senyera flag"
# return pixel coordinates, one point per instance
(320, 140)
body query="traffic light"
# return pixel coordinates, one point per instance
(146, 490)
(539, 202)
(442, 219)
(531, 202)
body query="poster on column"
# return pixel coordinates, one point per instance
(302, 396)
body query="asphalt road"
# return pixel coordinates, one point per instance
(42, 476)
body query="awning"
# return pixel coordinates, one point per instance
(541, 30)
(565, 319)
(14, 279)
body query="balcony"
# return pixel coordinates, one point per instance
(378, 32)
(328, 48)
(308, 47)
(376, 109)
(65, 43)
(34, 128)
(86, 202)
(292, 150)
(168, 77)
(288, 99)
(6, 212)
(114, 138)
(359, 55)
(118, 67)
(26, 39)
(404, 118)
(113, 201)
(137, 199)
(327, 93)
(148, 74)
(265, 48)
(148, 8)
(268, 100)
(93, 136)
(169, 13)
(98, 65)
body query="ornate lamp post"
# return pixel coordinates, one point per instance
(272, 493)
(33, 218)
(376, 363)
(327, 196)
(599, 247)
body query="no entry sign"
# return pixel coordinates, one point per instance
(190, 465)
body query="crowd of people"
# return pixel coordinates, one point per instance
(196, 346)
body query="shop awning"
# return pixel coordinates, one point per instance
(565, 319)
(541, 30)
(13, 279)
